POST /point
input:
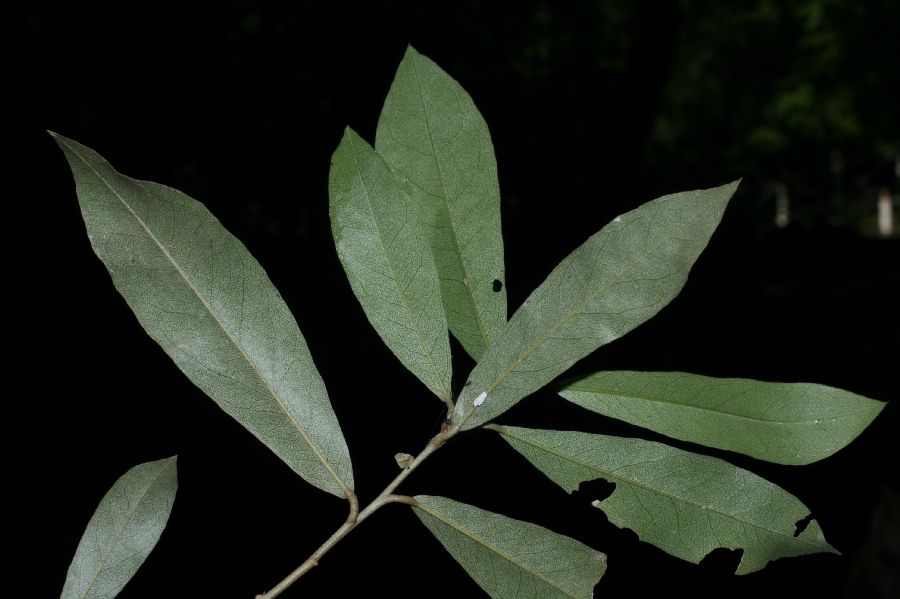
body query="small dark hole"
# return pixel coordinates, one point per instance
(594, 490)
(497, 285)
(801, 525)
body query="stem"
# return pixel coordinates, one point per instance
(313, 560)
(450, 406)
(356, 516)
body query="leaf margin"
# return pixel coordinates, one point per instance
(812, 535)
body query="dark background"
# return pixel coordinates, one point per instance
(594, 108)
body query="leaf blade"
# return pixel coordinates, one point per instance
(785, 423)
(388, 262)
(706, 500)
(551, 566)
(198, 292)
(620, 277)
(123, 531)
(431, 133)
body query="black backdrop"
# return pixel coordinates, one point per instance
(240, 105)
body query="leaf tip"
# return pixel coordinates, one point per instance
(721, 196)
(348, 139)
(729, 189)
(813, 533)
(169, 463)
(61, 140)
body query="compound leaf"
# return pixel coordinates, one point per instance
(199, 293)
(123, 531)
(433, 137)
(786, 423)
(388, 261)
(508, 558)
(619, 278)
(684, 503)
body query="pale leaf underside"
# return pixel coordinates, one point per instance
(123, 530)
(684, 503)
(786, 423)
(616, 280)
(508, 558)
(199, 293)
(388, 262)
(434, 138)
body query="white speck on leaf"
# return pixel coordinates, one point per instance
(480, 399)
(617, 219)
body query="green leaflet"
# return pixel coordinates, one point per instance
(432, 135)
(684, 503)
(123, 531)
(199, 293)
(787, 423)
(509, 558)
(388, 262)
(617, 279)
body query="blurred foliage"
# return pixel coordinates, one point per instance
(791, 90)
(694, 92)
(651, 95)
